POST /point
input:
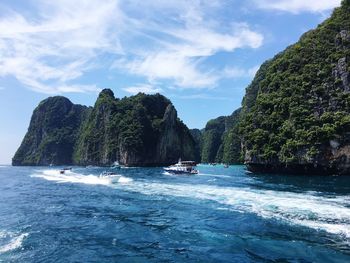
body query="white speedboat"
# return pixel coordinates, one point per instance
(182, 167)
(110, 176)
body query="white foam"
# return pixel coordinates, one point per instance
(15, 242)
(330, 214)
(71, 177)
(305, 209)
(124, 180)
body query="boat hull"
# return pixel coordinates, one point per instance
(179, 172)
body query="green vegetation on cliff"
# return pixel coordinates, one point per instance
(212, 140)
(297, 109)
(52, 133)
(133, 130)
(220, 141)
(138, 130)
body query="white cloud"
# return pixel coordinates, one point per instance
(56, 43)
(235, 72)
(168, 65)
(47, 52)
(181, 61)
(179, 48)
(144, 88)
(298, 6)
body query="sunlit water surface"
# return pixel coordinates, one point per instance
(146, 215)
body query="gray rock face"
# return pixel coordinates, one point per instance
(169, 145)
(341, 72)
(342, 39)
(52, 133)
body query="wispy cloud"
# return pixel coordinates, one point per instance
(236, 72)
(180, 53)
(55, 44)
(298, 6)
(2, 88)
(144, 88)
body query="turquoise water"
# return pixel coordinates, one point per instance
(146, 215)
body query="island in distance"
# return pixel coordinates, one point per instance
(295, 118)
(141, 130)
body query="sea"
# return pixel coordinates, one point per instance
(147, 215)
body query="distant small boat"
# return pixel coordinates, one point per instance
(226, 166)
(182, 167)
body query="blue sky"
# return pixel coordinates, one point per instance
(200, 54)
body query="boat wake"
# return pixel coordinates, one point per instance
(330, 214)
(10, 241)
(307, 209)
(215, 175)
(71, 177)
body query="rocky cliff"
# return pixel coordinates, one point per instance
(53, 131)
(141, 130)
(296, 112)
(220, 141)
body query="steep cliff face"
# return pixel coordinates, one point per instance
(175, 139)
(52, 133)
(141, 130)
(96, 142)
(220, 141)
(296, 112)
(197, 136)
(212, 140)
(231, 144)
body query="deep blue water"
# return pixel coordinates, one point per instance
(220, 215)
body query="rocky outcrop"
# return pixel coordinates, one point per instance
(96, 140)
(212, 140)
(141, 130)
(332, 159)
(197, 136)
(175, 140)
(220, 141)
(296, 113)
(341, 72)
(52, 133)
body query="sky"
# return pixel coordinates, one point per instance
(200, 54)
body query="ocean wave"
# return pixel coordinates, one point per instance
(330, 214)
(71, 177)
(13, 241)
(308, 209)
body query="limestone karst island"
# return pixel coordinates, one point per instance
(295, 118)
